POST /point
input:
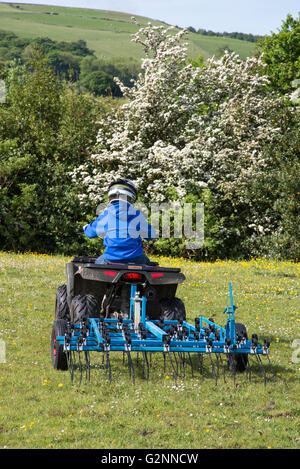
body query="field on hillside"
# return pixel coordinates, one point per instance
(108, 33)
(40, 409)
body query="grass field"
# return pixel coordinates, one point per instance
(40, 409)
(108, 33)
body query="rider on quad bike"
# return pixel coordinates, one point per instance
(104, 284)
(122, 225)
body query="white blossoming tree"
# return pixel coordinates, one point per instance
(183, 128)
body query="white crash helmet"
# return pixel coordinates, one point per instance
(122, 189)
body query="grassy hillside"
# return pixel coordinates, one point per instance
(108, 33)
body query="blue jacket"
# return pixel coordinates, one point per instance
(123, 228)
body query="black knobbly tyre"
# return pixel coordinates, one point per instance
(58, 356)
(62, 310)
(84, 307)
(172, 309)
(239, 360)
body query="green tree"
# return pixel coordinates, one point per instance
(46, 128)
(281, 54)
(100, 84)
(66, 65)
(76, 48)
(126, 69)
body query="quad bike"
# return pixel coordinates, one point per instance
(93, 288)
(133, 308)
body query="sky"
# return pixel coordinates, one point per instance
(247, 16)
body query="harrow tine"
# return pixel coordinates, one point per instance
(248, 368)
(164, 355)
(147, 363)
(266, 347)
(249, 371)
(175, 358)
(219, 359)
(175, 373)
(70, 365)
(87, 366)
(181, 364)
(143, 354)
(200, 356)
(80, 368)
(244, 364)
(233, 372)
(108, 366)
(73, 363)
(191, 364)
(130, 367)
(261, 367)
(231, 363)
(272, 370)
(213, 368)
(73, 357)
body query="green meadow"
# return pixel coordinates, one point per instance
(39, 408)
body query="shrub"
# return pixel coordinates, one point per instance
(185, 128)
(46, 128)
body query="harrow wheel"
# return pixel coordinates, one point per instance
(172, 309)
(84, 307)
(62, 310)
(58, 356)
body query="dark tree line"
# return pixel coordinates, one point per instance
(235, 35)
(72, 61)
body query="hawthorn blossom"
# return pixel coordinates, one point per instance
(183, 128)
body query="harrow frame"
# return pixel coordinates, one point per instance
(140, 334)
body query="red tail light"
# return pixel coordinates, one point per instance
(156, 275)
(110, 272)
(133, 276)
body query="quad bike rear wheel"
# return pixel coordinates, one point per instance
(84, 307)
(62, 310)
(239, 360)
(58, 356)
(172, 309)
